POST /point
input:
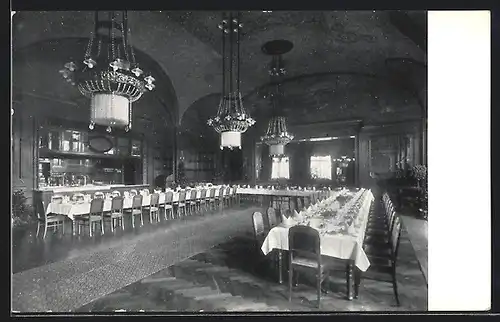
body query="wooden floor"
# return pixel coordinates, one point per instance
(226, 278)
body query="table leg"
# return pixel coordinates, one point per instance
(357, 281)
(350, 280)
(280, 266)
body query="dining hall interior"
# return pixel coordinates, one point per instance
(219, 161)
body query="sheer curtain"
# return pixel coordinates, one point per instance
(321, 167)
(281, 168)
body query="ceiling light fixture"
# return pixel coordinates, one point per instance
(232, 119)
(109, 74)
(277, 135)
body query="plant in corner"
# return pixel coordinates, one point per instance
(20, 211)
(419, 173)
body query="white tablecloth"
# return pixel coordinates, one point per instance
(271, 192)
(347, 246)
(77, 209)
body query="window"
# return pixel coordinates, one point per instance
(321, 167)
(281, 168)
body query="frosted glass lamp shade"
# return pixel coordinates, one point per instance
(110, 110)
(230, 139)
(276, 149)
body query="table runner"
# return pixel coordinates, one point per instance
(337, 245)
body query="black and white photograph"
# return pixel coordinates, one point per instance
(221, 161)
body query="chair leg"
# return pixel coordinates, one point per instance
(112, 223)
(37, 229)
(45, 232)
(63, 227)
(357, 281)
(133, 221)
(142, 220)
(90, 228)
(102, 226)
(395, 286)
(290, 282)
(318, 286)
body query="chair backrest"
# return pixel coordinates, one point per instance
(221, 192)
(194, 192)
(97, 206)
(117, 204)
(228, 191)
(98, 195)
(41, 210)
(304, 241)
(390, 218)
(395, 235)
(212, 193)
(306, 202)
(154, 200)
(133, 192)
(169, 197)
(203, 193)
(182, 195)
(292, 206)
(299, 204)
(137, 202)
(271, 217)
(258, 225)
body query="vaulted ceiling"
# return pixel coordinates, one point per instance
(338, 47)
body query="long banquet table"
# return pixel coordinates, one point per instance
(342, 231)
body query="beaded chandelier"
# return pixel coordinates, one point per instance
(232, 119)
(277, 135)
(109, 74)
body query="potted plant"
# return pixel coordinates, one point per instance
(419, 173)
(21, 213)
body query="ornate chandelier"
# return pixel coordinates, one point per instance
(277, 135)
(109, 76)
(232, 119)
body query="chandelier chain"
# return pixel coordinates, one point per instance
(113, 52)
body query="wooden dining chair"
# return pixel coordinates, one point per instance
(219, 198)
(202, 201)
(154, 207)
(383, 264)
(180, 204)
(235, 196)
(168, 205)
(191, 203)
(305, 254)
(272, 220)
(136, 209)
(211, 198)
(227, 196)
(48, 220)
(94, 217)
(258, 229)
(115, 215)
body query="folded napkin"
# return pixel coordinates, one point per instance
(288, 222)
(297, 217)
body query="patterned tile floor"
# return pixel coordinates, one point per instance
(226, 278)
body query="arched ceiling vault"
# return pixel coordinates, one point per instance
(186, 45)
